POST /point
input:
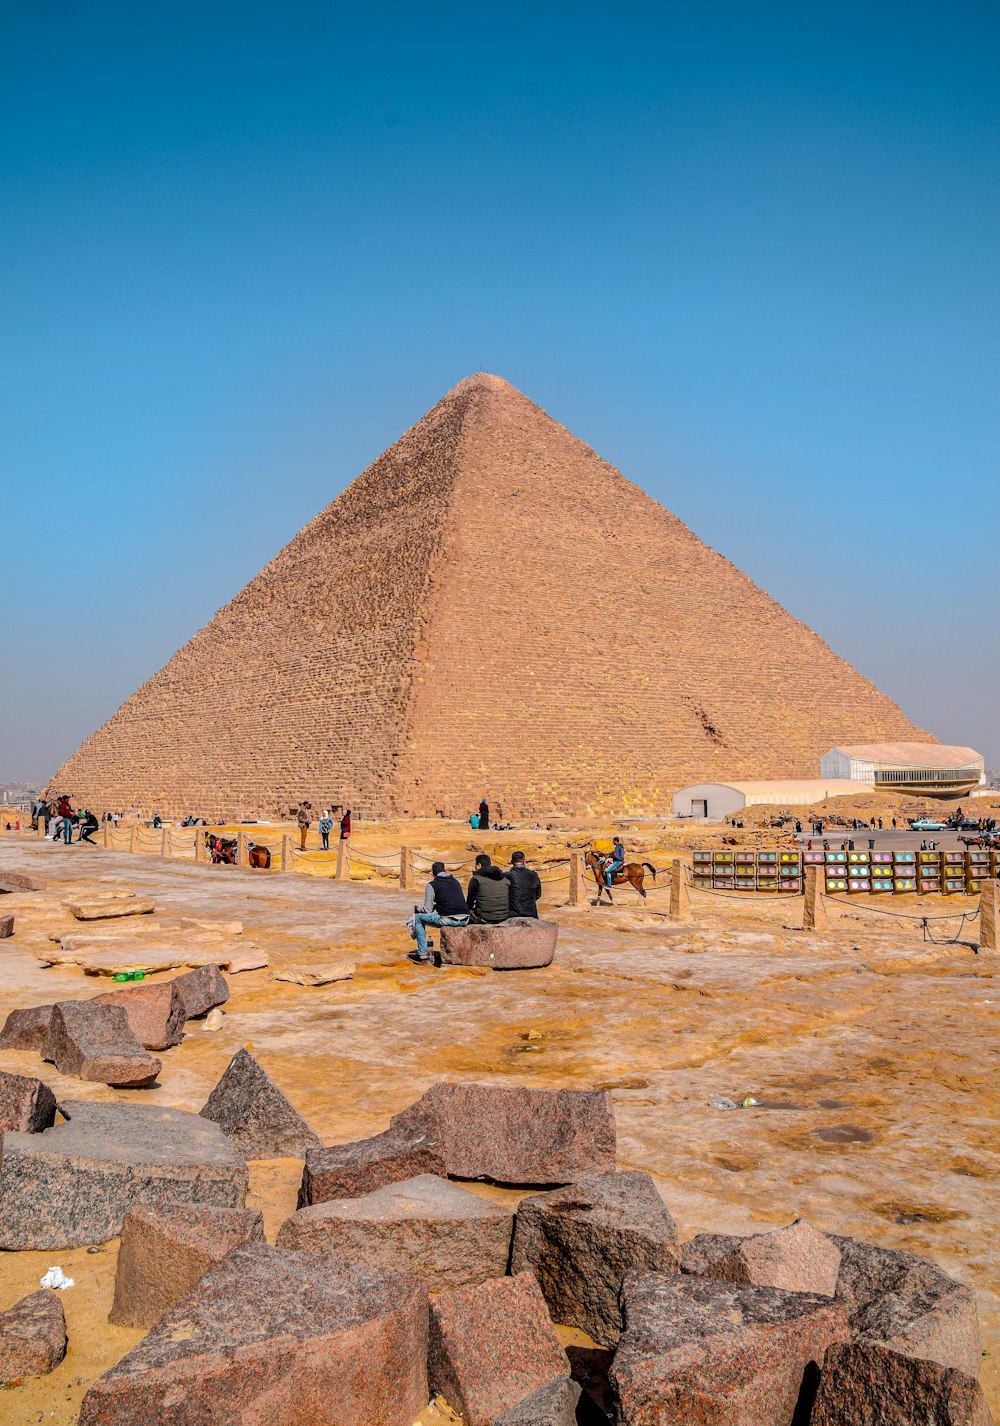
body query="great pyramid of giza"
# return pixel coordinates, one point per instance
(489, 608)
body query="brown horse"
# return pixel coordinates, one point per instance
(224, 851)
(631, 872)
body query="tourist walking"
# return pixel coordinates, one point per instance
(488, 895)
(443, 905)
(325, 828)
(303, 824)
(525, 887)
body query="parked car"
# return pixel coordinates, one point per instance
(927, 824)
(964, 824)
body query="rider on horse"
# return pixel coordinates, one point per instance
(615, 862)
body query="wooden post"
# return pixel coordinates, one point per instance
(989, 916)
(163, 842)
(41, 828)
(199, 844)
(577, 872)
(131, 838)
(242, 851)
(286, 853)
(407, 881)
(106, 836)
(343, 866)
(680, 892)
(813, 905)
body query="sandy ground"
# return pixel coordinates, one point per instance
(875, 1054)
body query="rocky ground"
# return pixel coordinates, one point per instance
(872, 1055)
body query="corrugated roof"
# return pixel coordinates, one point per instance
(927, 755)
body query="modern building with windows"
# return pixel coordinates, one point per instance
(926, 769)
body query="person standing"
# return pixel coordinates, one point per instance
(525, 887)
(303, 824)
(443, 905)
(345, 825)
(484, 816)
(325, 828)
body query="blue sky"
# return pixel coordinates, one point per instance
(749, 253)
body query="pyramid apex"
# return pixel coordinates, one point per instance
(485, 380)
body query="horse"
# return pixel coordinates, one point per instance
(984, 839)
(224, 852)
(259, 856)
(632, 872)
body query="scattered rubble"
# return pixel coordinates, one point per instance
(201, 990)
(32, 1337)
(314, 975)
(155, 1012)
(351, 1170)
(27, 1105)
(96, 1043)
(250, 1108)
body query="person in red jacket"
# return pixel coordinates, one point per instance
(345, 825)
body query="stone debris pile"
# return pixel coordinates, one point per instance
(391, 1281)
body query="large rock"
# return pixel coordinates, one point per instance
(272, 1338)
(27, 1105)
(695, 1350)
(872, 1386)
(796, 1259)
(512, 1134)
(552, 1405)
(6, 927)
(700, 1253)
(17, 881)
(201, 990)
(580, 1242)
(74, 1184)
(249, 1107)
(424, 1225)
(164, 1251)
(32, 1337)
(522, 943)
(110, 908)
(155, 1012)
(26, 1029)
(350, 1170)
(907, 1304)
(95, 1042)
(491, 1346)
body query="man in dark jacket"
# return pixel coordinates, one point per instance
(525, 887)
(444, 905)
(489, 892)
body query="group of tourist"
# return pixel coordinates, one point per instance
(325, 825)
(492, 897)
(60, 816)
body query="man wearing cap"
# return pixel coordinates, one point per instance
(444, 905)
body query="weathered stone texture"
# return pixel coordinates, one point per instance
(491, 1346)
(552, 1405)
(872, 1386)
(32, 1337)
(797, 1259)
(201, 990)
(269, 1337)
(73, 1184)
(424, 1225)
(94, 1041)
(522, 943)
(250, 1108)
(350, 1170)
(513, 1134)
(26, 1029)
(416, 530)
(6, 927)
(27, 1105)
(155, 1012)
(582, 1240)
(164, 1251)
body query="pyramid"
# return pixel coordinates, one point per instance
(489, 608)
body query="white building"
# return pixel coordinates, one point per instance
(716, 800)
(926, 769)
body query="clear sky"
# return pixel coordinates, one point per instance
(747, 252)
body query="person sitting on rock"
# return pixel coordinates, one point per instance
(489, 892)
(615, 862)
(443, 905)
(525, 887)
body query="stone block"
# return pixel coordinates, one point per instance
(73, 1184)
(201, 990)
(796, 1259)
(16, 881)
(522, 943)
(315, 975)
(580, 1242)
(513, 1134)
(699, 1253)
(164, 1251)
(423, 1225)
(350, 1170)
(552, 1405)
(6, 927)
(26, 1029)
(27, 1105)
(250, 1108)
(864, 1385)
(95, 1042)
(908, 1305)
(268, 1337)
(111, 908)
(32, 1337)
(155, 1012)
(491, 1346)
(696, 1350)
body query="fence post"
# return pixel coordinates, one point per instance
(286, 853)
(813, 906)
(163, 842)
(343, 864)
(41, 828)
(406, 878)
(242, 854)
(577, 890)
(105, 836)
(989, 915)
(199, 844)
(131, 838)
(680, 892)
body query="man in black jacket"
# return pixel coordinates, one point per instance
(444, 905)
(525, 887)
(489, 892)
